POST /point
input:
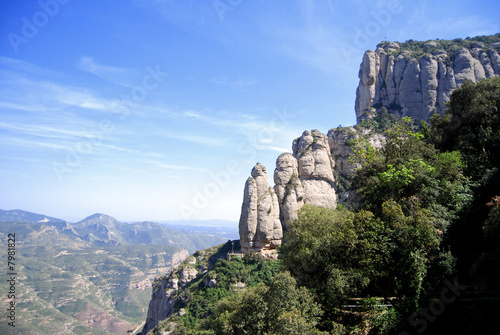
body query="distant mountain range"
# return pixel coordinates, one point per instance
(93, 276)
(102, 229)
(20, 215)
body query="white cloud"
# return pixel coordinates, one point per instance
(204, 140)
(117, 75)
(164, 165)
(26, 67)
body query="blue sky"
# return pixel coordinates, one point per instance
(158, 110)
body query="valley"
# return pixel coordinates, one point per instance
(93, 276)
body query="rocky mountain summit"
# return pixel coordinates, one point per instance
(416, 78)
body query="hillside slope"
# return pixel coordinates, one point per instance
(90, 277)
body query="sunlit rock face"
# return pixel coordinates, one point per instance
(315, 168)
(260, 225)
(420, 84)
(306, 176)
(288, 187)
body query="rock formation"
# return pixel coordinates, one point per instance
(260, 225)
(312, 152)
(338, 140)
(305, 176)
(288, 187)
(417, 83)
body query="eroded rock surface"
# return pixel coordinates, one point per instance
(260, 225)
(312, 152)
(417, 85)
(306, 176)
(288, 187)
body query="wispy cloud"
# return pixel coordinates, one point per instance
(241, 123)
(33, 94)
(32, 143)
(465, 26)
(314, 37)
(238, 83)
(43, 131)
(204, 140)
(26, 67)
(163, 165)
(117, 75)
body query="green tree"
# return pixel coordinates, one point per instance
(410, 169)
(471, 125)
(318, 251)
(279, 308)
(341, 255)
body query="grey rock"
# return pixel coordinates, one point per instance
(288, 187)
(209, 281)
(315, 164)
(248, 217)
(187, 274)
(260, 225)
(419, 86)
(162, 303)
(467, 67)
(340, 150)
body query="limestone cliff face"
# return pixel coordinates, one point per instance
(419, 82)
(338, 140)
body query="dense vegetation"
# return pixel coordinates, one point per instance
(428, 217)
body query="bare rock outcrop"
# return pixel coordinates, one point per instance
(418, 83)
(260, 225)
(288, 187)
(338, 140)
(162, 303)
(312, 152)
(306, 176)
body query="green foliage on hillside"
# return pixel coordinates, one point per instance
(421, 48)
(277, 308)
(378, 120)
(235, 281)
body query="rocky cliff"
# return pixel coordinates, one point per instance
(416, 78)
(168, 299)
